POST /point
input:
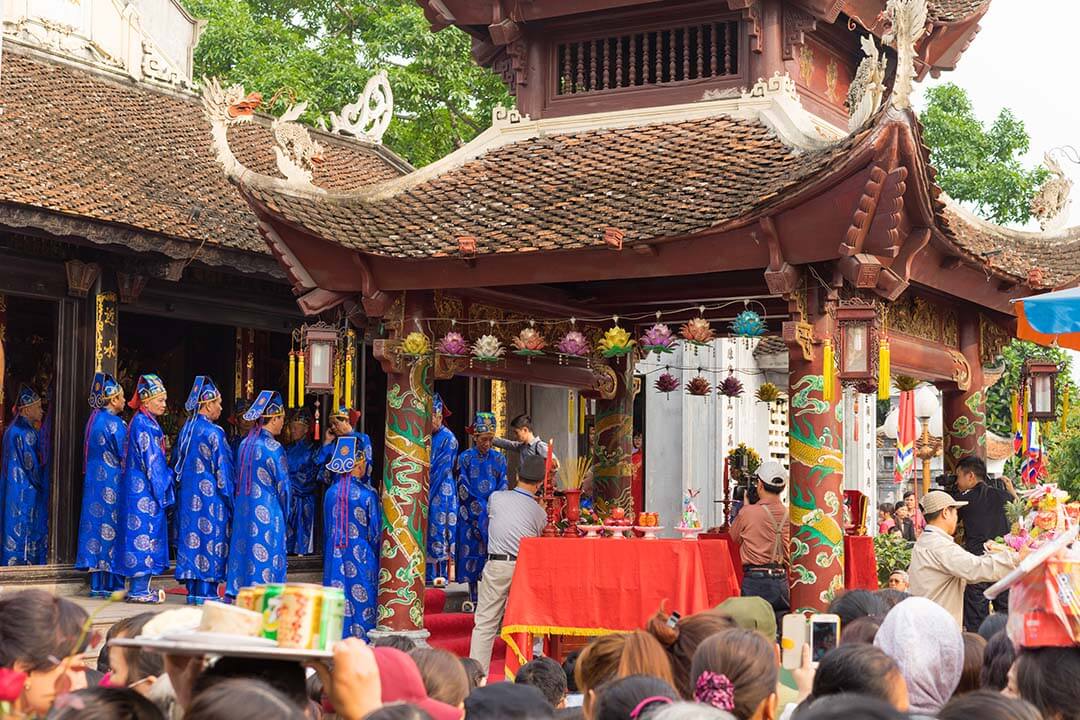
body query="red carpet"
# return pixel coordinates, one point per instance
(453, 632)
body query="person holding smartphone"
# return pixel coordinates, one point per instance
(762, 534)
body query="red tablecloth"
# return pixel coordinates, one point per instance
(597, 586)
(860, 563)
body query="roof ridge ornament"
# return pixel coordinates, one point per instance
(868, 86)
(503, 117)
(907, 23)
(224, 107)
(295, 151)
(1050, 203)
(370, 116)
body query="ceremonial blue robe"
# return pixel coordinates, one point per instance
(351, 559)
(442, 503)
(99, 521)
(25, 498)
(304, 483)
(257, 546)
(205, 501)
(147, 490)
(478, 477)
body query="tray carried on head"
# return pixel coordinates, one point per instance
(223, 645)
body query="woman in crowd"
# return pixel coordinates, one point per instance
(242, 699)
(130, 667)
(619, 655)
(926, 643)
(987, 705)
(862, 669)
(999, 656)
(632, 698)
(690, 711)
(104, 703)
(681, 641)
(443, 674)
(860, 632)
(974, 652)
(850, 707)
(476, 673)
(855, 604)
(42, 636)
(1049, 679)
(735, 670)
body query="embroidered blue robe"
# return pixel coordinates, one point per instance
(351, 553)
(304, 483)
(478, 477)
(257, 546)
(442, 501)
(147, 493)
(205, 501)
(99, 521)
(25, 496)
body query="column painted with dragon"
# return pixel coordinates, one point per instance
(613, 469)
(405, 477)
(964, 409)
(815, 436)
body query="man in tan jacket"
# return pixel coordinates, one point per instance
(940, 569)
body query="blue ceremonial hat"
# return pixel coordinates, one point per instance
(302, 415)
(484, 424)
(437, 405)
(345, 455)
(102, 389)
(267, 405)
(26, 397)
(148, 387)
(202, 391)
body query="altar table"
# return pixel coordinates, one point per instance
(588, 587)
(860, 562)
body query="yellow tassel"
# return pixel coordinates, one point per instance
(292, 379)
(829, 375)
(300, 378)
(349, 371)
(337, 383)
(1014, 412)
(1064, 407)
(1024, 424)
(571, 412)
(884, 370)
(581, 417)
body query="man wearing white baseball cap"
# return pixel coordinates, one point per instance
(940, 569)
(761, 532)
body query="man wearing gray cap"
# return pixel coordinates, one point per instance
(761, 531)
(940, 569)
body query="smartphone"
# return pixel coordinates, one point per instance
(792, 639)
(824, 636)
(820, 631)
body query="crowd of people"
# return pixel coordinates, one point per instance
(898, 657)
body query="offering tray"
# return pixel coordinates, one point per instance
(220, 644)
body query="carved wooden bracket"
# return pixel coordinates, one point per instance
(81, 277)
(751, 11)
(781, 277)
(799, 334)
(961, 373)
(796, 23)
(317, 300)
(129, 287)
(862, 270)
(377, 304)
(613, 238)
(877, 224)
(171, 270)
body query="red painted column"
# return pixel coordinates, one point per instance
(613, 469)
(815, 439)
(964, 410)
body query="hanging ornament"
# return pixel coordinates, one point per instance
(616, 342)
(748, 324)
(348, 387)
(828, 372)
(488, 349)
(768, 393)
(666, 383)
(1064, 405)
(698, 386)
(292, 379)
(453, 344)
(300, 378)
(573, 344)
(731, 387)
(416, 343)
(529, 343)
(658, 339)
(884, 368)
(697, 332)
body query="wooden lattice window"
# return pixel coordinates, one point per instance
(688, 53)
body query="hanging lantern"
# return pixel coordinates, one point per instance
(658, 339)
(856, 320)
(488, 349)
(697, 332)
(1041, 376)
(416, 344)
(731, 387)
(320, 343)
(616, 342)
(748, 324)
(666, 383)
(698, 386)
(452, 344)
(768, 393)
(573, 344)
(529, 343)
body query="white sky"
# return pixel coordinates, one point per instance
(1024, 59)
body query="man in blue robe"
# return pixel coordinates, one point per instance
(481, 471)
(257, 546)
(305, 484)
(147, 493)
(103, 454)
(22, 480)
(353, 536)
(204, 467)
(442, 497)
(342, 423)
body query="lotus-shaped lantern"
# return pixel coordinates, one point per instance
(658, 339)
(698, 386)
(487, 349)
(416, 343)
(453, 344)
(731, 387)
(529, 343)
(666, 383)
(573, 343)
(748, 324)
(697, 331)
(768, 393)
(616, 342)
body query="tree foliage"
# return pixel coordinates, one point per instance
(324, 51)
(976, 164)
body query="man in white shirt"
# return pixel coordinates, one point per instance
(512, 515)
(940, 569)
